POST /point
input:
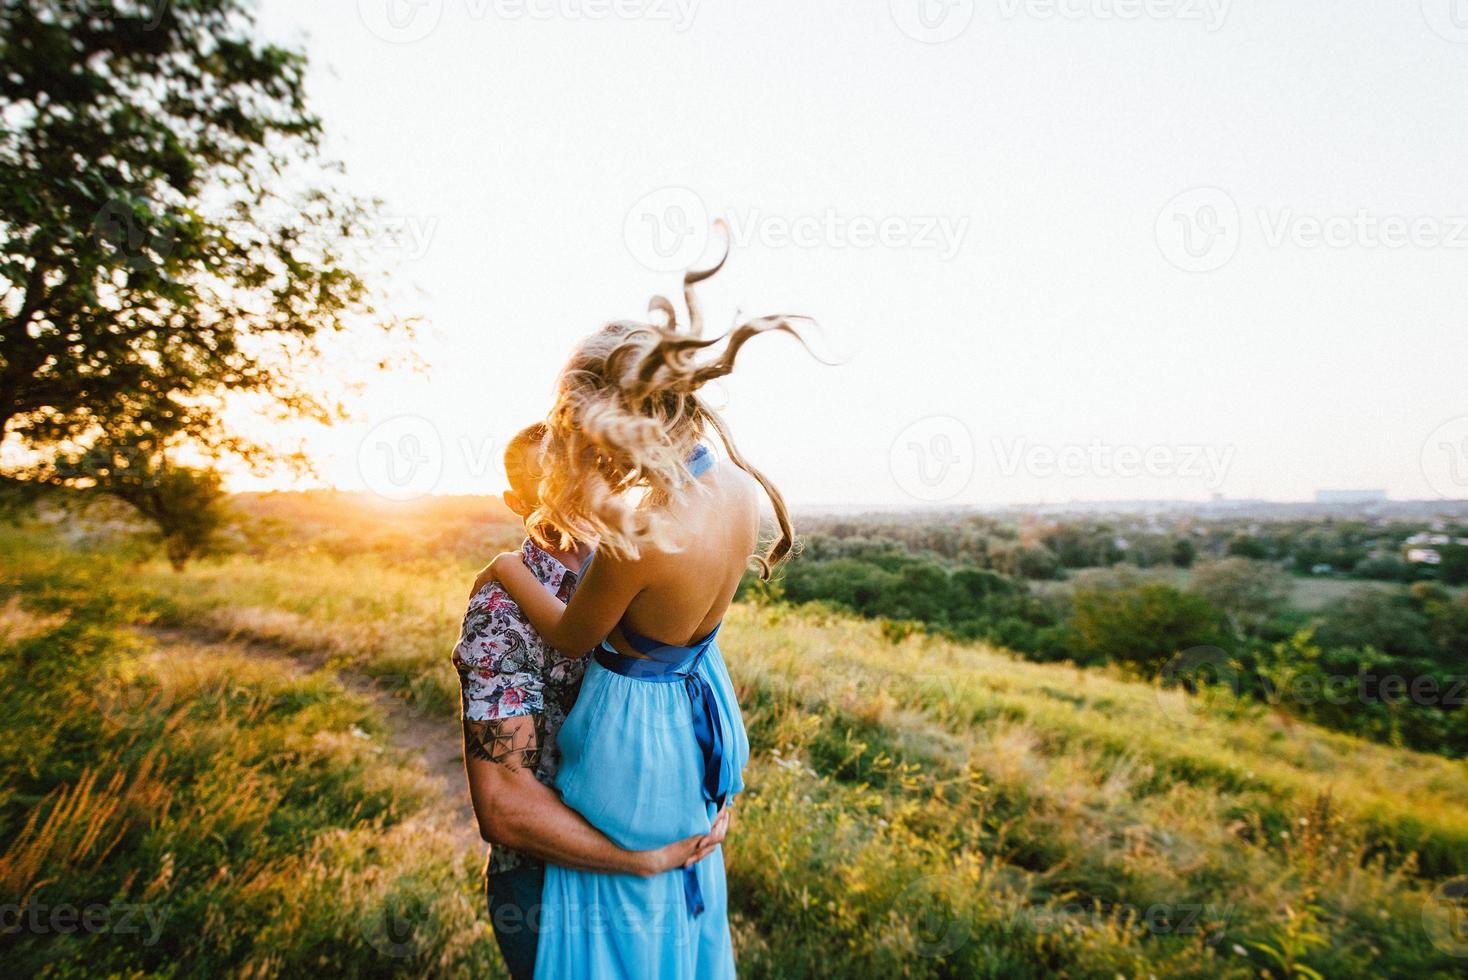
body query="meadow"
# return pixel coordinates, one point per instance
(198, 747)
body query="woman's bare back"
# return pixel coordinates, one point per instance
(689, 590)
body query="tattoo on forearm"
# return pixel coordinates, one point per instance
(514, 744)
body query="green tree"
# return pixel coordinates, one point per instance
(170, 239)
(1250, 593)
(1137, 623)
(1374, 616)
(1447, 621)
(1454, 567)
(1244, 546)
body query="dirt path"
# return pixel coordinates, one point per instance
(432, 742)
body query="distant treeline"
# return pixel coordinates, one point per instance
(1383, 661)
(1035, 549)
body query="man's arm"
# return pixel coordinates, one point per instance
(516, 810)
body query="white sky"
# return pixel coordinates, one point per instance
(516, 149)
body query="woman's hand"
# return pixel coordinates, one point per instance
(687, 852)
(488, 571)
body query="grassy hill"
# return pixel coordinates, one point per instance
(915, 808)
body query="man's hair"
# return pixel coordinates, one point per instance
(522, 461)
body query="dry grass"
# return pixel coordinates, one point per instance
(927, 808)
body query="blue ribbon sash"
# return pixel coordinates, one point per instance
(668, 664)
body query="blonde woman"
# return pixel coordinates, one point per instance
(655, 746)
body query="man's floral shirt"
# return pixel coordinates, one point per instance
(506, 670)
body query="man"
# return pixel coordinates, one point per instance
(516, 693)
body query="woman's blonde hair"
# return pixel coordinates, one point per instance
(627, 418)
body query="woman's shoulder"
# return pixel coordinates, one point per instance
(745, 491)
(731, 478)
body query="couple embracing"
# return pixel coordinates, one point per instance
(604, 779)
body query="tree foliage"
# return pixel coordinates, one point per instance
(1250, 593)
(170, 239)
(1140, 624)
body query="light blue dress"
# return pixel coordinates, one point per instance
(650, 751)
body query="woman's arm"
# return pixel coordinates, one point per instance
(593, 612)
